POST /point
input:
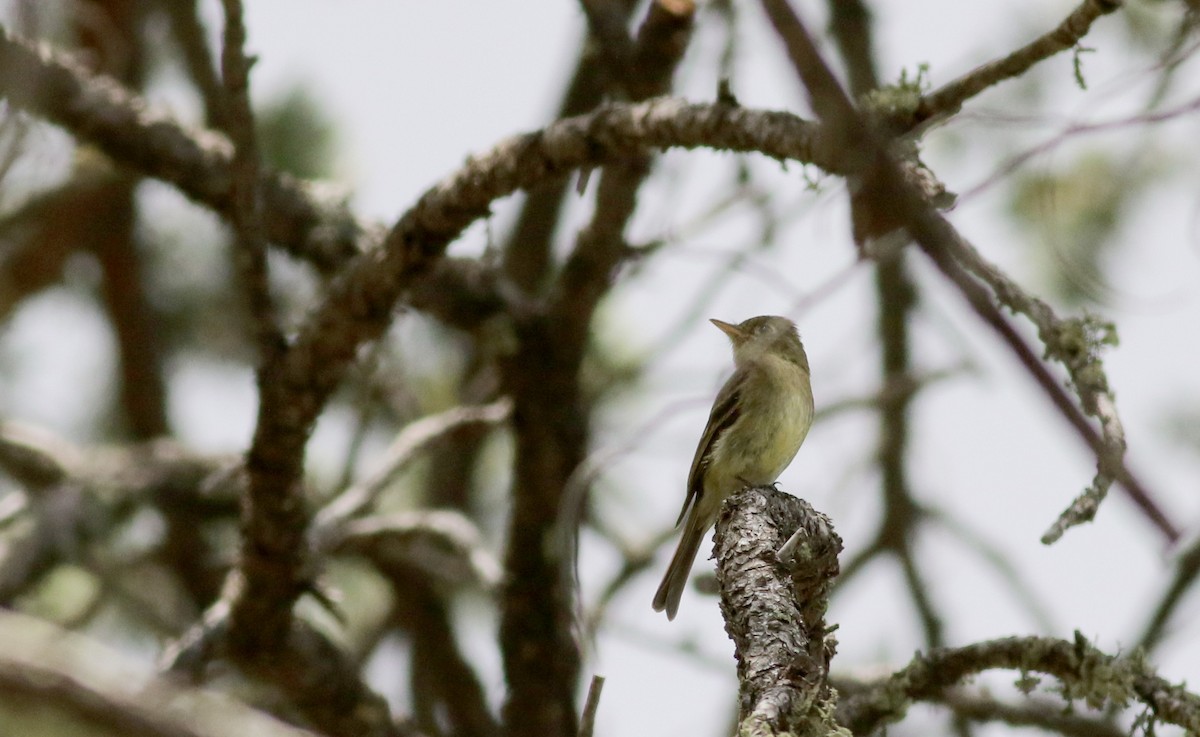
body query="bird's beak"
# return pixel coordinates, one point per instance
(736, 335)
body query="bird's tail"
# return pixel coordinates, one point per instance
(674, 582)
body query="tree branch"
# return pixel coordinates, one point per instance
(250, 239)
(948, 99)
(1045, 715)
(415, 437)
(98, 109)
(54, 681)
(774, 609)
(550, 419)
(1085, 673)
(905, 206)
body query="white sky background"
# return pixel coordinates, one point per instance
(416, 86)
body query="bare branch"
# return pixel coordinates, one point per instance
(445, 547)
(414, 438)
(539, 602)
(1187, 569)
(427, 557)
(606, 22)
(1047, 715)
(587, 721)
(76, 685)
(250, 251)
(191, 36)
(850, 25)
(527, 252)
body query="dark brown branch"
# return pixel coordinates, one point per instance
(116, 48)
(527, 253)
(775, 610)
(660, 43)
(1045, 715)
(541, 657)
(1187, 569)
(1085, 674)
(136, 321)
(444, 684)
(606, 22)
(192, 37)
(825, 94)
(850, 25)
(587, 721)
(472, 291)
(273, 554)
(250, 238)
(425, 557)
(850, 22)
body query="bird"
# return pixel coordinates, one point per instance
(758, 422)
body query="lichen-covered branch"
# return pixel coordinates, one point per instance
(99, 110)
(880, 174)
(1075, 343)
(775, 610)
(1084, 673)
(948, 99)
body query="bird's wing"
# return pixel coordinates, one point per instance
(724, 412)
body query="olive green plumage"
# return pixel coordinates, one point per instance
(757, 423)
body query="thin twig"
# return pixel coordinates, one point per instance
(587, 720)
(410, 441)
(948, 99)
(191, 35)
(1046, 715)
(250, 252)
(1187, 569)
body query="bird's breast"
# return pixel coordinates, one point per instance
(769, 430)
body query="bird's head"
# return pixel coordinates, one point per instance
(757, 336)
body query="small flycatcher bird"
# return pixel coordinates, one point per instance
(757, 423)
